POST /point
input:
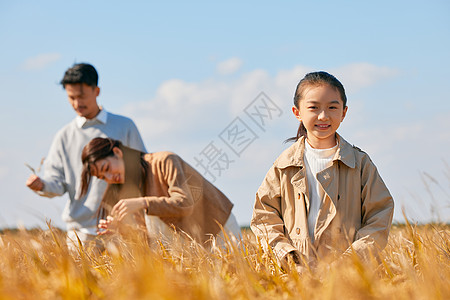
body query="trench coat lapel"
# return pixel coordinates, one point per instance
(298, 180)
(329, 179)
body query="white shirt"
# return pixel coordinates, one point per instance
(101, 117)
(316, 160)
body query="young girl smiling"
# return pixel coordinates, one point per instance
(322, 197)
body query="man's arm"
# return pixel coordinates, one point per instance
(52, 183)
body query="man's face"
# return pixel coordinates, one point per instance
(83, 99)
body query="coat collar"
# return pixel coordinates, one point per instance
(345, 153)
(293, 156)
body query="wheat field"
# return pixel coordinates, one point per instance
(36, 264)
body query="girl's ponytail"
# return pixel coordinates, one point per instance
(301, 131)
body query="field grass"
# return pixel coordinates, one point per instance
(36, 264)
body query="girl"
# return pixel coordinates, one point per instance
(322, 197)
(161, 184)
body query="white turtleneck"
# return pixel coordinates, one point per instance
(316, 160)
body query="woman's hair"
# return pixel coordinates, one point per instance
(95, 150)
(135, 172)
(314, 79)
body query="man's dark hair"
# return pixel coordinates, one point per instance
(80, 73)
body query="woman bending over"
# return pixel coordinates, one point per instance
(158, 184)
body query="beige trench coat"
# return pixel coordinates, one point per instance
(356, 212)
(183, 198)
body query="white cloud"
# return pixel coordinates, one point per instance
(289, 78)
(40, 61)
(3, 169)
(3, 172)
(185, 107)
(229, 66)
(359, 75)
(402, 151)
(185, 116)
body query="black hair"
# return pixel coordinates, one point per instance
(136, 169)
(95, 150)
(80, 73)
(315, 79)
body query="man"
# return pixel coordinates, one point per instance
(62, 167)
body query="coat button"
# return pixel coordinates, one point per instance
(298, 230)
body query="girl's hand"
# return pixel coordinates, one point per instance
(127, 207)
(106, 226)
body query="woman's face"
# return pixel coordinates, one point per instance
(111, 169)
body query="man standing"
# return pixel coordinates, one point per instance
(62, 167)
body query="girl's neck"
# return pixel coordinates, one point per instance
(322, 144)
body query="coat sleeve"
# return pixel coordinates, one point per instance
(267, 221)
(377, 208)
(180, 202)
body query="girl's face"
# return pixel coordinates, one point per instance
(321, 110)
(111, 169)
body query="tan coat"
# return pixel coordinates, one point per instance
(182, 197)
(355, 213)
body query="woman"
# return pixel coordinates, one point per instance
(160, 184)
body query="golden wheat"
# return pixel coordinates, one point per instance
(36, 264)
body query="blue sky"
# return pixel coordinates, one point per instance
(185, 71)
